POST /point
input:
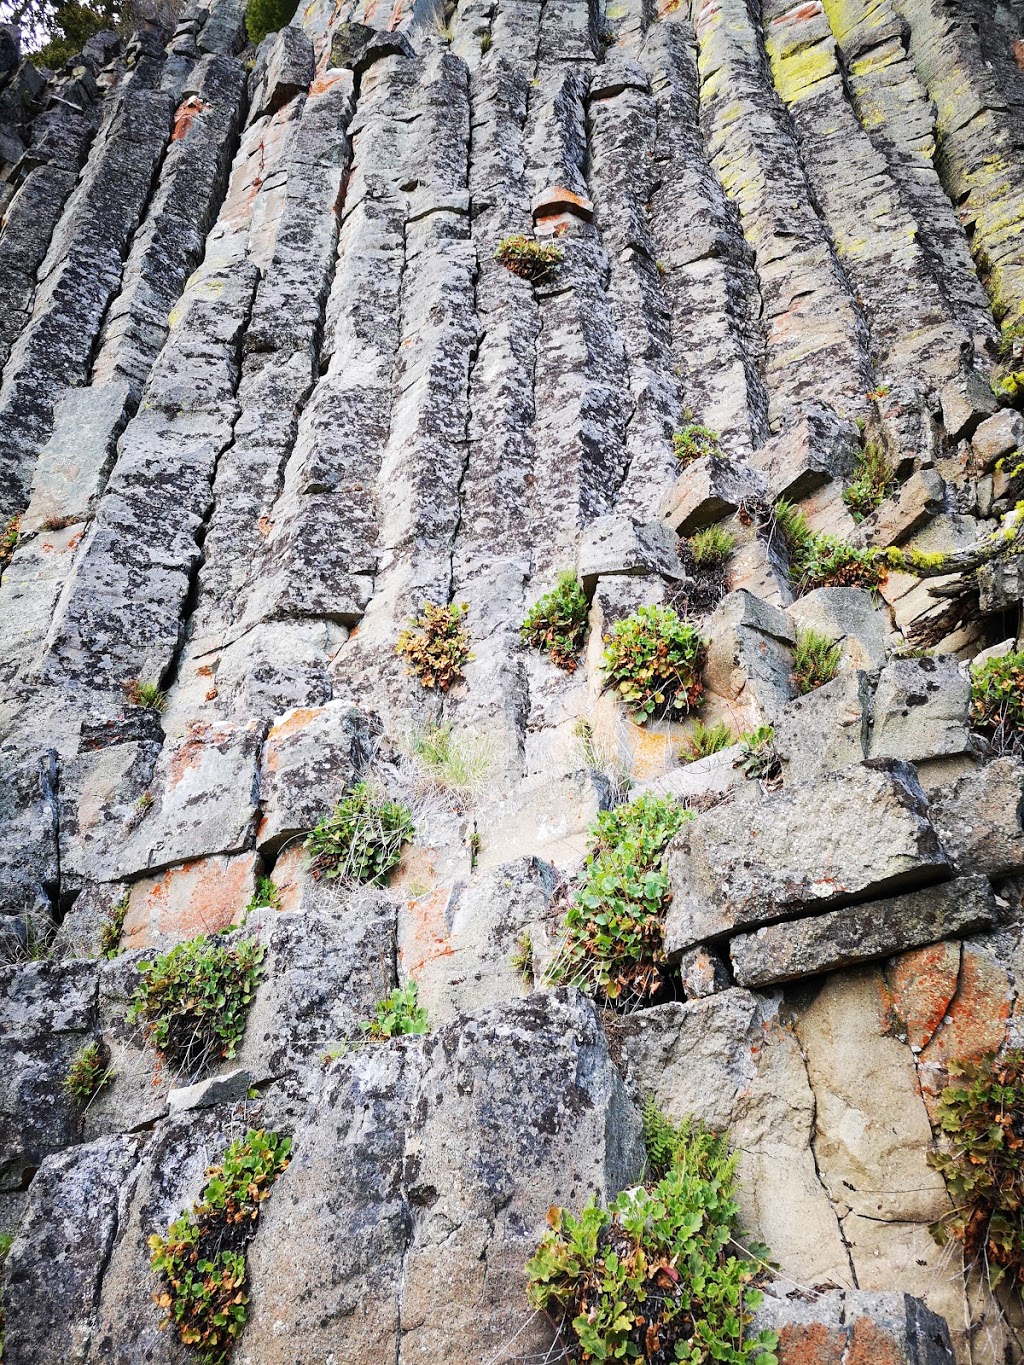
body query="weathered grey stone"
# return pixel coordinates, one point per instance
(908, 509)
(284, 69)
(997, 436)
(708, 490)
(1000, 584)
(626, 545)
(225, 1089)
(861, 933)
(800, 851)
(702, 973)
(965, 405)
(920, 711)
(73, 465)
(29, 859)
(846, 616)
(827, 729)
(817, 447)
(848, 1325)
(748, 656)
(978, 818)
(357, 46)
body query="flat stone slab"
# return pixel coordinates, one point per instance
(861, 933)
(855, 834)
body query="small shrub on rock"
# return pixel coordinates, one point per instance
(521, 960)
(362, 839)
(558, 622)
(815, 660)
(693, 441)
(822, 561)
(873, 481)
(201, 1261)
(615, 923)
(997, 702)
(759, 758)
(145, 695)
(194, 1000)
(87, 1074)
(528, 259)
(113, 927)
(265, 897)
(9, 541)
(654, 1277)
(654, 658)
(706, 740)
(981, 1118)
(436, 645)
(397, 1015)
(711, 547)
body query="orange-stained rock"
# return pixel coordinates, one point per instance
(871, 1345)
(194, 898)
(920, 986)
(974, 1024)
(425, 927)
(289, 875)
(185, 116)
(811, 1344)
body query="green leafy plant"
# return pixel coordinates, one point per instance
(822, 561)
(362, 838)
(981, 1118)
(815, 660)
(454, 764)
(193, 1000)
(997, 702)
(759, 758)
(87, 1074)
(113, 927)
(265, 897)
(145, 695)
(9, 541)
(654, 1277)
(436, 645)
(6, 1242)
(558, 622)
(201, 1260)
(267, 16)
(693, 441)
(397, 1015)
(529, 259)
(706, 740)
(521, 960)
(873, 481)
(654, 658)
(615, 923)
(711, 547)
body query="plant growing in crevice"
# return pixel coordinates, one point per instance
(528, 259)
(997, 702)
(654, 659)
(521, 960)
(817, 560)
(873, 481)
(711, 547)
(87, 1074)
(815, 660)
(9, 541)
(435, 645)
(453, 764)
(147, 696)
(759, 758)
(656, 1276)
(193, 1001)
(397, 1015)
(706, 740)
(558, 622)
(6, 1242)
(614, 926)
(201, 1260)
(981, 1118)
(693, 441)
(362, 838)
(265, 897)
(113, 927)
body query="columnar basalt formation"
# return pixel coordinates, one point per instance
(266, 391)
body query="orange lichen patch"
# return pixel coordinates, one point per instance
(185, 116)
(425, 935)
(198, 897)
(811, 10)
(920, 986)
(974, 1024)
(199, 739)
(328, 77)
(810, 1344)
(289, 876)
(871, 1345)
(653, 753)
(295, 720)
(1018, 52)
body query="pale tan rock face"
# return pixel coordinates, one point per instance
(267, 391)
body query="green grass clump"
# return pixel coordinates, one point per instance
(145, 695)
(712, 547)
(528, 259)
(435, 645)
(201, 1260)
(822, 561)
(558, 622)
(997, 702)
(113, 927)
(361, 839)
(815, 660)
(693, 441)
(397, 1015)
(454, 764)
(87, 1074)
(706, 740)
(194, 1000)
(654, 1276)
(654, 659)
(615, 923)
(759, 758)
(873, 481)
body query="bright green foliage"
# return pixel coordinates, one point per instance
(821, 561)
(362, 839)
(528, 259)
(692, 441)
(982, 1120)
(265, 897)
(146, 695)
(454, 763)
(815, 660)
(654, 659)
(521, 960)
(654, 1276)
(87, 1074)
(712, 546)
(436, 646)
(705, 740)
(397, 1015)
(267, 16)
(9, 541)
(615, 924)
(997, 702)
(69, 29)
(201, 1261)
(558, 622)
(758, 755)
(113, 927)
(193, 1001)
(873, 481)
